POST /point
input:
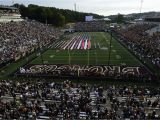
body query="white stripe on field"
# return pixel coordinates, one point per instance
(99, 46)
(79, 44)
(69, 42)
(86, 43)
(62, 45)
(73, 45)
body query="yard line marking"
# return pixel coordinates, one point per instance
(95, 45)
(51, 56)
(118, 57)
(104, 48)
(99, 46)
(114, 51)
(123, 64)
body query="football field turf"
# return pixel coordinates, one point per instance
(97, 55)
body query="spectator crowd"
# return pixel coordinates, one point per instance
(17, 39)
(140, 42)
(91, 26)
(67, 100)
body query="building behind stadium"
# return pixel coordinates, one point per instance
(9, 14)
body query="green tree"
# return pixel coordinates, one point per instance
(51, 15)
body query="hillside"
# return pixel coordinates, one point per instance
(52, 15)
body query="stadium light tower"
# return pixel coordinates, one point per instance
(141, 8)
(40, 51)
(110, 46)
(75, 7)
(12, 2)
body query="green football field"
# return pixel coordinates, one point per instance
(97, 55)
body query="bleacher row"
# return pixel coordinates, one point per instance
(144, 45)
(17, 39)
(49, 100)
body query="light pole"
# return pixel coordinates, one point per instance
(110, 43)
(40, 51)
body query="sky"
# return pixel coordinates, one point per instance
(101, 7)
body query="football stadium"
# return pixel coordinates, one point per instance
(63, 64)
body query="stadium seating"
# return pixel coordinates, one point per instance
(140, 42)
(90, 26)
(50, 100)
(20, 38)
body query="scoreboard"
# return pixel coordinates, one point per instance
(88, 18)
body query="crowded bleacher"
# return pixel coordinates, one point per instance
(140, 42)
(67, 100)
(17, 39)
(90, 26)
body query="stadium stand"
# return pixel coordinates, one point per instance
(90, 26)
(49, 100)
(140, 42)
(8, 14)
(20, 38)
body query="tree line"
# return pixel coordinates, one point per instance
(52, 15)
